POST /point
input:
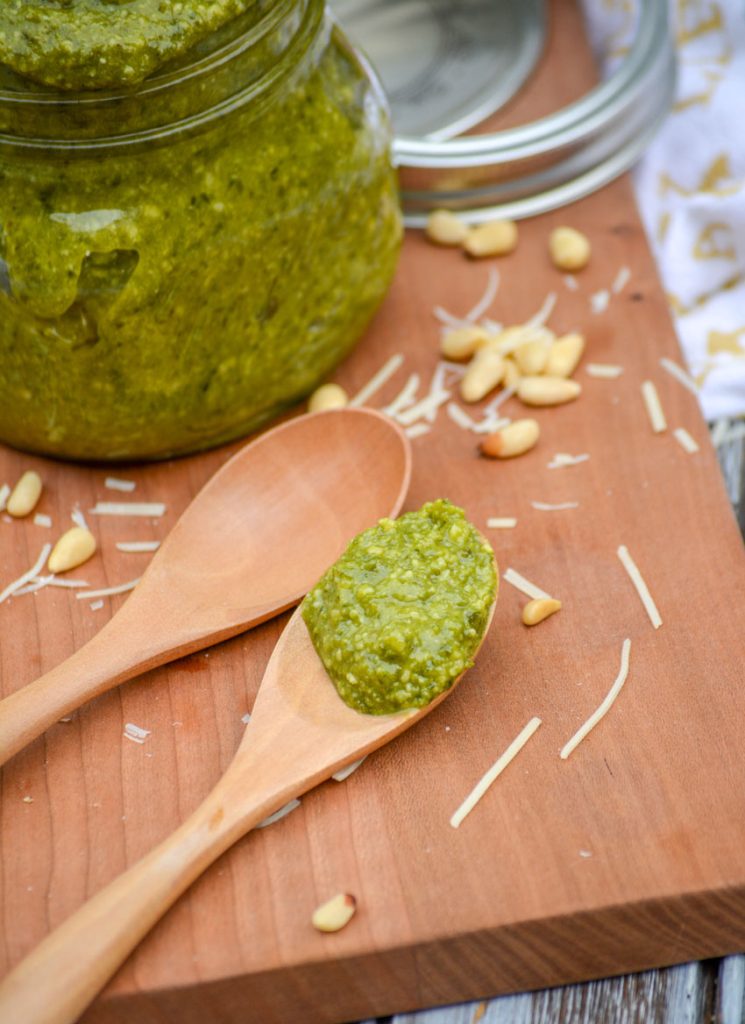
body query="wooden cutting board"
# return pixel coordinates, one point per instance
(625, 856)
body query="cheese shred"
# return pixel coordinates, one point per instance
(494, 772)
(604, 707)
(524, 586)
(641, 587)
(654, 407)
(685, 440)
(27, 577)
(376, 382)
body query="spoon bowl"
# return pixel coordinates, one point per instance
(250, 545)
(299, 734)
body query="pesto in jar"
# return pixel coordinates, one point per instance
(182, 260)
(401, 614)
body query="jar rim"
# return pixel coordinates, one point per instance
(584, 145)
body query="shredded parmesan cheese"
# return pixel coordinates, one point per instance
(539, 319)
(134, 546)
(544, 506)
(27, 577)
(489, 425)
(377, 381)
(496, 770)
(78, 518)
(491, 408)
(107, 591)
(246, 718)
(641, 587)
(680, 375)
(599, 301)
(114, 484)
(4, 495)
(501, 522)
(685, 440)
(417, 430)
(564, 459)
(431, 403)
(654, 407)
(460, 416)
(96, 606)
(607, 371)
(523, 585)
(621, 280)
(136, 733)
(606, 705)
(492, 286)
(128, 508)
(571, 282)
(40, 519)
(278, 814)
(405, 397)
(345, 772)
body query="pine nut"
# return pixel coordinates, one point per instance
(463, 342)
(335, 913)
(72, 549)
(484, 372)
(531, 356)
(569, 249)
(516, 439)
(494, 238)
(538, 609)
(564, 355)
(25, 495)
(511, 373)
(547, 390)
(328, 396)
(445, 228)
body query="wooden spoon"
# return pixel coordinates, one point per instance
(250, 545)
(299, 734)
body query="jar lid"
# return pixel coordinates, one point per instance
(447, 66)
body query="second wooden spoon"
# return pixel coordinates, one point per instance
(250, 545)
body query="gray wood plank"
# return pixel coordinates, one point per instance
(730, 1003)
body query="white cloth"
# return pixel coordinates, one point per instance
(690, 187)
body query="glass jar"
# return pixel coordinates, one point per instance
(182, 259)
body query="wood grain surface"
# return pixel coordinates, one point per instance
(506, 902)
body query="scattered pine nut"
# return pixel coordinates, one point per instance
(463, 342)
(337, 912)
(494, 238)
(516, 439)
(531, 356)
(569, 249)
(71, 550)
(328, 396)
(538, 609)
(511, 374)
(25, 495)
(445, 228)
(484, 372)
(547, 390)
(564, 355)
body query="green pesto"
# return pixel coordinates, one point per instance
(401, 614)
(95, 44)
(159, 299)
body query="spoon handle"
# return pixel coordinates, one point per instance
(59, 978)
(125, 647)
